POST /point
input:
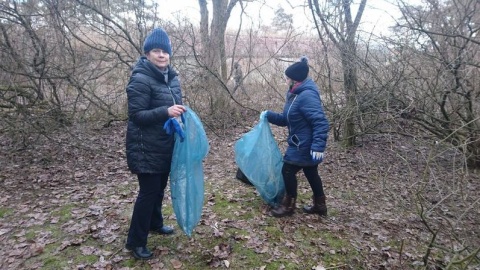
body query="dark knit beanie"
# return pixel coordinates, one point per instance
(298, 71)
(157, 39)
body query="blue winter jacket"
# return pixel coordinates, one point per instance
(149, 147)
(307, 125)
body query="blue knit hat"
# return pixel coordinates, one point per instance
(298, 71)
(157, 39)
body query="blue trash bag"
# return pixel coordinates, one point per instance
(186, 175)
(258, 156)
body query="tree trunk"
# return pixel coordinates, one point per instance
(204, 33)
(342, 30)
(350, 87)
(214, 40)
(217, 46)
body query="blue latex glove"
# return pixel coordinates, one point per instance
(316, 156)
(172, 125)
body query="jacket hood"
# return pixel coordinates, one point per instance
(307, 84)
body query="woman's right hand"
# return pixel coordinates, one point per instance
(176, 110)
(264, 114)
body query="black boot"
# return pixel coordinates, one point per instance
(163, 230)
(141, 253)
(319, 206)
(286, 208)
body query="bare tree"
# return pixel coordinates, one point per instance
(213, 38)
(336, 19)
(65, 61)
(282, 20)
(441, 55)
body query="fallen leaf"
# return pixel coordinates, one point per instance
(176, 264)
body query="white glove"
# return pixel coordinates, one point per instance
(316, 156)
(263, 114)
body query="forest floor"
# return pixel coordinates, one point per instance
(394, 203)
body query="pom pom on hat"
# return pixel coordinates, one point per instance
(298, 71)
(157, 39)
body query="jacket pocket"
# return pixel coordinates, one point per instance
(295, 140)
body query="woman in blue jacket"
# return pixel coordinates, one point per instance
(154, 96)
(307, 138)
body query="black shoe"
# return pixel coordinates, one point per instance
(164, 230)
(141, 253)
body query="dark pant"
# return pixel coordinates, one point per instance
(289, 172)
(147, 212)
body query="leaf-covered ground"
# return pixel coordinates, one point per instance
(65, 203)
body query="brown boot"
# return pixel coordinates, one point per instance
(286, 208)
(319, 207)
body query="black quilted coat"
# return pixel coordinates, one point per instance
(149, 148)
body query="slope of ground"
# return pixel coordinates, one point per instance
(394, 203)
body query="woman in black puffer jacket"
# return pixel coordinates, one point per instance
(154, 96)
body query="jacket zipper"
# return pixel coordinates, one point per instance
(171, 93)
(288, 118)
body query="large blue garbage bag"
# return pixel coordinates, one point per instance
(186, 176)
(258, 156)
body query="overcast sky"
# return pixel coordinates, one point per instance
(378, 13)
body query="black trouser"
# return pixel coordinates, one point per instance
(147, 212)
(289, 172)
